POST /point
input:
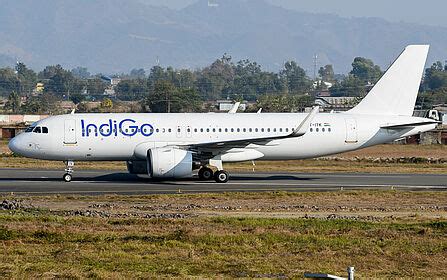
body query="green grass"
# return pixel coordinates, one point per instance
(40, 244)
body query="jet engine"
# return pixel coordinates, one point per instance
(169, 162)
(137, 166)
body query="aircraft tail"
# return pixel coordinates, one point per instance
(396, 92)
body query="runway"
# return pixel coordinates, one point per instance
(26, 181)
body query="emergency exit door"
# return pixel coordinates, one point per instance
(70, 132)
(351, 131)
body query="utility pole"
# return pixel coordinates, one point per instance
(168, 103)
(315, 66)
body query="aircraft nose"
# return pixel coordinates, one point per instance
(14, 145)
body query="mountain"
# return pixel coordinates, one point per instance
(113, 36)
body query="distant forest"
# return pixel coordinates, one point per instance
(186, 90)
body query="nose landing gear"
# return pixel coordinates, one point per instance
(68, 171)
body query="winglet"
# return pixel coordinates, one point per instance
(304, 125)
(234, 108)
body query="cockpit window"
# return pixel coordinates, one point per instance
(44, 129)
(37, 130)
(29, 129)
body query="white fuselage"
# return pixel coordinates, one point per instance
(117, 137)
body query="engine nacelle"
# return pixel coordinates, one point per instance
(169, 162)
(137, 166)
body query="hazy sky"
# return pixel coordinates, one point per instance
(432, 12)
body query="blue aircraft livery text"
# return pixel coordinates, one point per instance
(126, 127)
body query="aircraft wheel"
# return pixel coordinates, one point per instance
(205, 173)
(67, 177)
(221, 176)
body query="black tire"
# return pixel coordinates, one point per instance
(205, 173)
(221, 176)
(67, 177)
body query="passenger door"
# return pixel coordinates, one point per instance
(70, 132)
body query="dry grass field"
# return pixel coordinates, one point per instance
(270, 235)
(383, 234)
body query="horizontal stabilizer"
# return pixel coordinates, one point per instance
(407, 125)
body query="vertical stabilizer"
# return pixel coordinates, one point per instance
(396, 92)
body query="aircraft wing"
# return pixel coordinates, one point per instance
(299, 131)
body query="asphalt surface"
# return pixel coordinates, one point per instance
(28, 181)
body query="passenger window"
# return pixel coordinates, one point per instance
(317, 129)
(238, 130)
(201, 130)
(329, 129)
(157, 130)
(256, 130)
(169, 130)
(207, 130)
(44, 129)
(232, 130)
(287, 129)
(262, 130)
(226, 129)
(280, 130)
(274, 130)
(311, 129)
(37, 130)
(195, 129)
(323, 129)
(214, 130)
(244, 130)
(220, 129)
(250, 130)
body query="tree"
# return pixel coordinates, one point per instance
(134, 89)
(159, 101)
(365, 70)
(216, 79)
(80, 73)
(46, 103)
(95, 86)
(60, 81)
(295, 76)
(167, 98)
(137, 73)
(77, 98)
(13, 104)
(327, 73)
(9, 81)
(350, 86)
(284, 103)
(27, 78)
(435, 77)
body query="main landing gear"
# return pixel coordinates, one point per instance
(68, 171)
(220, 176)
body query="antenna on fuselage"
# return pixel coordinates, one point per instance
(73, 111)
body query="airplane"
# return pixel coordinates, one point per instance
(173, 145)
